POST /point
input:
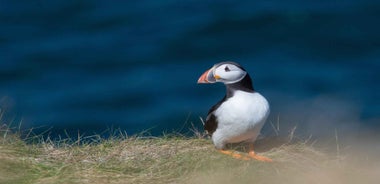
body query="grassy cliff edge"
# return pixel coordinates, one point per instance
(168, 159)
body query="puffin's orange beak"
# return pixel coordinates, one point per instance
(203, 78)
(207, 77)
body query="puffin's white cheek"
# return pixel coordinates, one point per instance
(231, 76)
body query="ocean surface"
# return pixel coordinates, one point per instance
(88, 66)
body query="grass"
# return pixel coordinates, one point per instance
(169, 159)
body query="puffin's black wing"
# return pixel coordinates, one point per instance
(211, 122)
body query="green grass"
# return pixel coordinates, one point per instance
(168, 159)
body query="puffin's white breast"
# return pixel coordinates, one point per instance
(240, 118)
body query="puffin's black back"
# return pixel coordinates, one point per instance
(244, 85)
(211, 122)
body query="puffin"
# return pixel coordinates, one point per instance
(240, 115)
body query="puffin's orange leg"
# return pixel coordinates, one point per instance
(253, 155)
(235, 155)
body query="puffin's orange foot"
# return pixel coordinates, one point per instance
(258, 157)
(235, 155)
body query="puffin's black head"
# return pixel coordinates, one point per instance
(226, 72)
(231, 74)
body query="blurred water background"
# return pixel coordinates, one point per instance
(88, 65)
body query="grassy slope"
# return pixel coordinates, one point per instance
(171, 159)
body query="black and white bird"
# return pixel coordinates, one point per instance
(240, 115)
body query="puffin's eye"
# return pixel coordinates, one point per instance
(227, 69)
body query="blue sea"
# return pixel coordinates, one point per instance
(88, 66)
